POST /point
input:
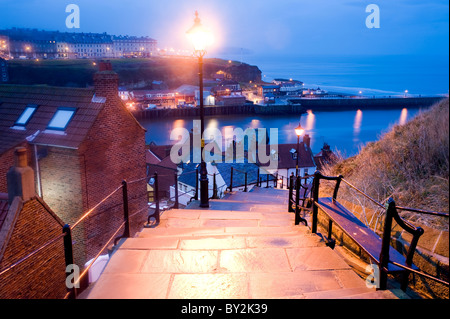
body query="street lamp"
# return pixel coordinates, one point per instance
(200, 38)
(299, 130)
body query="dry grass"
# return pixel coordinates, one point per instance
(409, 163)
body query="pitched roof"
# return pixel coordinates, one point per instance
(15, 98)
(286, 160)
(151, 158)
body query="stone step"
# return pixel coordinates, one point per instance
(220, 242)
(344, 293)
(216, 231)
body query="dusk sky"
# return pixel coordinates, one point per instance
(300, 27)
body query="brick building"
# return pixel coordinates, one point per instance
(81, 144)
(26, 224)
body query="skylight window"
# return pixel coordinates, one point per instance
(61, 119)
(26, 115)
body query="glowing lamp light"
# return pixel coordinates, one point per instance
(299, 130)
(200, 37)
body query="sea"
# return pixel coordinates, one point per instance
(345, 131)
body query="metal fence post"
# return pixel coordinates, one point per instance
(214, 187)
(245, 187)
(176, 191)
(156, 199)
(386, 243)
(126, 231)
(291, 192)
(258, 181)
(316, 183)
(297, 200)
(231, 180)
(68, 255)
(196, 184)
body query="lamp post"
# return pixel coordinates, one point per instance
(298, 131)
(200, 38)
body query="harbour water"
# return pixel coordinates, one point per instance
(372, 75)
(346, 131)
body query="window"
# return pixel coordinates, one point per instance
(61, 118)
(26, 115)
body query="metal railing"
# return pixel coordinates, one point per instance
(299, 191)
(155, 178)
(68, 243)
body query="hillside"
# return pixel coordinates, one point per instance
(174, 71)
(409, 163)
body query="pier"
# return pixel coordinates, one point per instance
(296, 106)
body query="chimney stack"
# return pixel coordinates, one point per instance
(106, 81)
(307, 140)
(20, 177)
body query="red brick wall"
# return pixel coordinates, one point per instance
(43, 275)
(60, 172)
(113, 151)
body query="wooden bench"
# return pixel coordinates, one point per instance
(376, 248)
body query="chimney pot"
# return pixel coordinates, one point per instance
(21, 157)
(106, 81)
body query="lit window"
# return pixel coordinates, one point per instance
(61, 118)
(26, 115)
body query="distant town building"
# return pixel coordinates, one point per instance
(20, 43)
(289, 86)
(268, 90)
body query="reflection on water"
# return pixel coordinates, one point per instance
(310, 120)
(403, 117)
(357, 125)
(344, 130)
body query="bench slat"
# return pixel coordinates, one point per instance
(367, 239)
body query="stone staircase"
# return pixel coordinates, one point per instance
(244, 246)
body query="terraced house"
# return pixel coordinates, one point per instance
(81, 144)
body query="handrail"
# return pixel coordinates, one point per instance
(421, 211)
(362, 193)
(98, 255)
(416, 210)
(95, 207)
(420, 273)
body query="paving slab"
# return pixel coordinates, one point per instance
(131, 286)
(255, 260)
(315, 258)
(209, 286)
(213, 243)
(179, 261)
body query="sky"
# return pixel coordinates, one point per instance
(321, 42)
(283, 27)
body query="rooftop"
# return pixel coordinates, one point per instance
(14, 99)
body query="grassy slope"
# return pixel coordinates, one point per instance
(409, 163)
